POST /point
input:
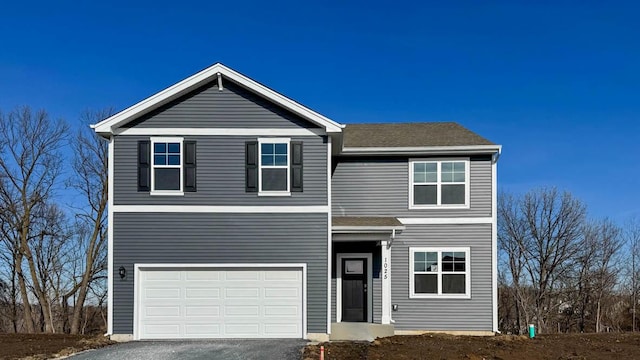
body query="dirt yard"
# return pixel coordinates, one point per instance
(46, 346)
(504, 347)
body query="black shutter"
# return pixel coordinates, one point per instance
(189, 166)
(144, 165)
(251, 166)
(296, 166)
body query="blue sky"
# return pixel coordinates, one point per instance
(556, 83)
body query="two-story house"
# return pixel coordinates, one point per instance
(236, 212)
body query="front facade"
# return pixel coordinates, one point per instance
(236, 212)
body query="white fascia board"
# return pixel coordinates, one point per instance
(446, 221)
(108, 125)
(423, 150)
(365, 229)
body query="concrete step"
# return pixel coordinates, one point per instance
(359, 331)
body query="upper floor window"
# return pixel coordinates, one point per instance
(166, 166)
(274, 166)
(166, 173)
(439, 272)
(439, 183)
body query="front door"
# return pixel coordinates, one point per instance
(354, 290)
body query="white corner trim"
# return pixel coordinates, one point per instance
(446, 221)
(110, 210)
(205, 76)
(369, 257)
(219, 132)
(139, 267)
(494, 239)
(329, 233)
(219, 209)
(385, 275)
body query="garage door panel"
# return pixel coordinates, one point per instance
(283, 275)
(220, 303)
(202, 293)
(161, 293)
(162, 311)
(281, 310)
(242, 275)
(241, 293)
(202, 275)
(200, 311)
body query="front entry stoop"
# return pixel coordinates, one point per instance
(359, 331)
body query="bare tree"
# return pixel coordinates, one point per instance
(631, 235)
(539, 232)
(30, 166)
(598, 272)
(90, 180)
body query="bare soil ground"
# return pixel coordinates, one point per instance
(47, 346)
(504, 347)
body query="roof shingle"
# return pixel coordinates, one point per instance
(411, 135)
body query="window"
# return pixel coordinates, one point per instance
(439, 272)
(274, 166)
(439, 183)
(166, 172)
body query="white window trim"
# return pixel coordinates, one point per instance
(288, 166)
(173, 139)
(439, 183)
(440, 295)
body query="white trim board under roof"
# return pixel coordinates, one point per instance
(108, 125)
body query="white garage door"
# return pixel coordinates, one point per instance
(220, 303)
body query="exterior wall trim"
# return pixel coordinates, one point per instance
(494, 240)
(137, 267)
(220, 209)
(447, 221)
(110, 211)
(219, 132)
(339, 257)
(329, 233)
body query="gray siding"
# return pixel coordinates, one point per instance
(207, 107)
(443, 314)
(380, 187)
(219, 239)
(221, 174)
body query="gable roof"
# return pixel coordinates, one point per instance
(108, 125)
(417, 137)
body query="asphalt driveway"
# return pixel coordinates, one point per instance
(285, 349)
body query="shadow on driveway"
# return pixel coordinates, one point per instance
(281, 349)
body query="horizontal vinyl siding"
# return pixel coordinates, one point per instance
(220, 174)
(207, 107)
(443, 314)
(220, 239)
(380, 187)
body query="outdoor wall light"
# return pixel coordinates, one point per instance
(394, 307)
(123, 272)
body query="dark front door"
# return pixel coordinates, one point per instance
(354, 290)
